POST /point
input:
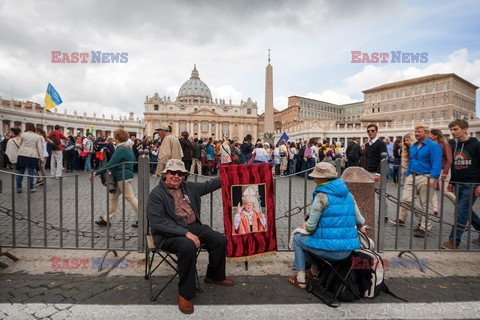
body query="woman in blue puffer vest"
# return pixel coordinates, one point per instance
(331, 229)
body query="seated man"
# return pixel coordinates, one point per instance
(332, 223)
(174, 212)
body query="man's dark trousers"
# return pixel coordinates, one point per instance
(185, 250)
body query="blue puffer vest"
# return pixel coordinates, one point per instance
(336, 229)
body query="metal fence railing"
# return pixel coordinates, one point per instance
(419, 205)
(62, 213)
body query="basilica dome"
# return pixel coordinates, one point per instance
(194, 89)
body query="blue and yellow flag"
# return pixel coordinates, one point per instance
(52, 98)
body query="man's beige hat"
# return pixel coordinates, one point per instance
(324, 170)
(175, 165)
(163, 127)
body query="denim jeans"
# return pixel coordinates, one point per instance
(293, 165)
(310, 163)
(21, 171)
(88, 162)
(390, 170)
(300, 249)
(463, 206)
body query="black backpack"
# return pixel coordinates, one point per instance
(369, 270)
(54, 142)
(301, 152)
(96, 146)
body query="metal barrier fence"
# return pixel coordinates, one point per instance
(63, 213)
(437, 224)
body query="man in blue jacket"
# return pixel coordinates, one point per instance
(425, 164)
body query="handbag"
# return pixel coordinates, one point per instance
(109, 181)
(84, 154)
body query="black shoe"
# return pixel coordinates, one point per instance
(135, 225)
(386, 219)
(102, 222)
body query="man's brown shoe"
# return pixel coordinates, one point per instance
(186, 306)
(419, 234)
(477, 241)
(448, 245)
(228, 282)
(400, 222)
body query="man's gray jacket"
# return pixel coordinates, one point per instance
(161, 208)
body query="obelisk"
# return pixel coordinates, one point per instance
(269, 128)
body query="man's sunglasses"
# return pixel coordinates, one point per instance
(371, 130)
(178, 173)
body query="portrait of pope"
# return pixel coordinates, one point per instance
(248, 216)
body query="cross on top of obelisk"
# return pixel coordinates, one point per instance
(269, 55)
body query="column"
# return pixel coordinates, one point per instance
(22, 126)
(209, 134)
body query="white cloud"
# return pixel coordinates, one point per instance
(372, 75)
(279, 103)
(331, 97)
(227, 92)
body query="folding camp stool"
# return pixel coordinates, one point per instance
(169, 259)
(329, 273)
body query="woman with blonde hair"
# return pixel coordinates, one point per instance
(408, 141)
(30, 154)
(122, 157)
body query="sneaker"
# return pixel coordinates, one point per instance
(448, 245)
(386, 219)
(102, 222)
(400, 222)
(19, 190)
(135, 225)
(33, 190)
(416, 228)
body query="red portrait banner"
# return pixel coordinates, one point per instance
(248, 210)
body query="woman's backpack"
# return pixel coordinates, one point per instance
(369, 272)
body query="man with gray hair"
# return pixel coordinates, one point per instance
(174, 211)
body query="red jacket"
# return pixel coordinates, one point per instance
(58, 136)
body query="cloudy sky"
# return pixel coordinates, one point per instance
(311, 43)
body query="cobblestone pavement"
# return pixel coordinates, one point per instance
(73, 296)
(63, 218)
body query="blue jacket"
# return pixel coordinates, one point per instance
(336, 230)
(426, 160)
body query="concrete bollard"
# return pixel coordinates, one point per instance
(362, 187)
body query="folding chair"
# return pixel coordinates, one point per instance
(332, 283)
(169, 259)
